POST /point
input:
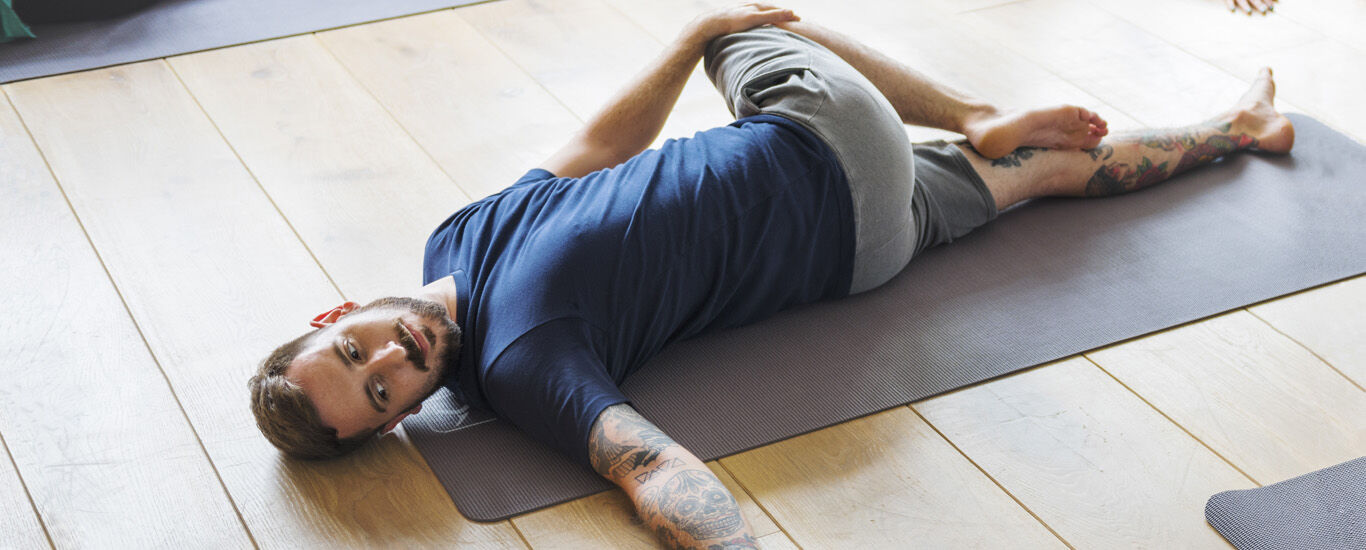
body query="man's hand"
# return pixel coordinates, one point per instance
(735, 19)
(677, 496)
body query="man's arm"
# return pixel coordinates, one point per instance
(676, 495)
(633, 118)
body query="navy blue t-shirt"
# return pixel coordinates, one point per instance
(567, 285)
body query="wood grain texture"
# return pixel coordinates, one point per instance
(1207, 30)
(777, 541)
(1337, 19)
(107, 455)
(608, 519)
(1141, 75)
(878, 482)
(1329, 321)
(215, 279)
(18, 520)
(1302, 58)
(1301, 74)
(1256, 397)
(483, 119)
(360, 193)
(584, 51)
(1094, 462)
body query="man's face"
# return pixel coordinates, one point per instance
(376, 362)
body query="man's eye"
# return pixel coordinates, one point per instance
(351, 351)
(381, 391)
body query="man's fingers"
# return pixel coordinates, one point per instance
(767, 17)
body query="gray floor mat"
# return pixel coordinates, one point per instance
(1042, 282)
(175, 27)
(1323, 510)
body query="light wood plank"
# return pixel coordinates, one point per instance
(1112, 59)
(608, 519)
(361, 194)
(105, 450)
(18, 520)
(1339, 19)
(1301, 74)
(1329, 321)
(777, 541)
(1208, 31)
(1257, 398)
(1093, 461)
(878, 482)
(479, 115)
(215, 279)
(584, 51)
(1302, 58)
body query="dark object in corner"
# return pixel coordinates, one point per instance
(66, 11)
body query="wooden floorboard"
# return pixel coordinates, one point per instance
(106, 452)
(231, 205)
(1251, 394)
(483, 119)
(361, 194)
(215, 278)
(1092, 460)
(1137, 73)
(18, 519)
(608, 519)
(878, 482)
(1328, 321)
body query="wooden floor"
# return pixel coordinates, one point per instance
(168, 222)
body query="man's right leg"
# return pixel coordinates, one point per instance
(921, 101)
(1134, 161)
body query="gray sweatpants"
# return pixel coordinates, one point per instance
(905, 199)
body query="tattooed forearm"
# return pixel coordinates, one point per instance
(622, 441)
(675, 494)
(1196, 146)
(646, 476)
(695, 502)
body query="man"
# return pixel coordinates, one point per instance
(539, 300)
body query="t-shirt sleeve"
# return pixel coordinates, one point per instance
(552, 384)
(535, 174)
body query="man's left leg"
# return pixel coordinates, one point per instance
(1137, 160)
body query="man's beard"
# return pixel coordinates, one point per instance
(449, 357)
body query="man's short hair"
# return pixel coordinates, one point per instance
(287, 416)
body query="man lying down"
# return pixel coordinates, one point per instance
(541, 299)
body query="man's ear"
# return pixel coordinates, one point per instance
(330, 316)
(394, 423)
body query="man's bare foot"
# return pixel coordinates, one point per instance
(1255, 115)
(995, 134)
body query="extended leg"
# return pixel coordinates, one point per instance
(1137, 160)
(921, 101)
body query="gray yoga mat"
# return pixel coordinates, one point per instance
(1042, 282)
(175, 27)
(1323, 510)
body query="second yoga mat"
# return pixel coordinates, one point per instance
(172, 27)
(1042, 282)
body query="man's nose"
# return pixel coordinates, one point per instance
(388, 357)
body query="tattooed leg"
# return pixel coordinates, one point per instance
(1134, 161)
(677, 496)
